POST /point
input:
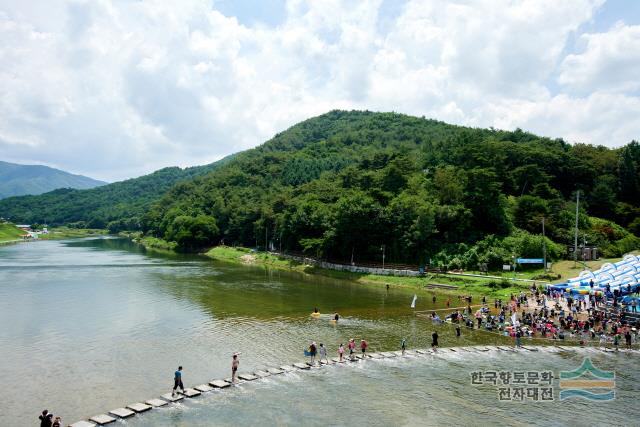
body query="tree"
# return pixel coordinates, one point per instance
(193, 233)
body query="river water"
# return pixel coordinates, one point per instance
(94, 324)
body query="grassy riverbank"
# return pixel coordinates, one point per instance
(71, 233)
(464, 284)
(10, 233)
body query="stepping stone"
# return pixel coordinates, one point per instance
(398, 353)
(423, 351)
(359, 356)
(504, 348)
(247, 377)
(190, 392)
(301, 365)
(139, 407)
(122, 412)
(410, 353)
(156, 403)
(375, 356)
(219, 384)
(326, 362)
(102, 419)
(172, 398)
(492, 348)
(203, 388)
(529, 348)
(337, 360)
(388, 354)
(287, 368)
(82, 424)
(262, 374)
(275, 371)
(484, 349)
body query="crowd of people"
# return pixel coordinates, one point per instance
(553, 315)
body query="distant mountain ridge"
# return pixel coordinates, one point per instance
(20, 180)
(118, 205)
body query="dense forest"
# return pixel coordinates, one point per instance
(345, 184)
(118, 206)
(349, 182)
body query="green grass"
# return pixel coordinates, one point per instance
(70, 233)
(9, 232)
(156, 244)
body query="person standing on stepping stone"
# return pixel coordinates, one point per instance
(363, 346)
(323, 353)
(177, 381)
(234, 367)
(341, 351)
(434, 340)
(352, 348)
(458, 331)
(403, 345)
(45, 418)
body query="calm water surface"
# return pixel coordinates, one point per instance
(94, 324)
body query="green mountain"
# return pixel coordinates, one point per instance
(17, 180)
(117, 206)
(350, 183)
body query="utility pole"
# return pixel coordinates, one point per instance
(575, 243)
(382, 249)
(544, 247)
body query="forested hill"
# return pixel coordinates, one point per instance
(349, 182)
(18, 180)
(118, 206)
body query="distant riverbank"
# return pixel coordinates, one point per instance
(463, 284)
(10, 234)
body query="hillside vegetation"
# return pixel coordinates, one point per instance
(9, 232)
(17, 180)
(118, 206)
(344, 184)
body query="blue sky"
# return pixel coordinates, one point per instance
(118, 88)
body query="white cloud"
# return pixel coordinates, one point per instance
(115, 89)
(610, 61)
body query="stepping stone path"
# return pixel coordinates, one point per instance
(301, 366)
(102, 419)
(139, 407)
(190, 392)
(132, 409)
(156, 403)
(122, 412)
(219, 384)
(248, 377)
(172, 398)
